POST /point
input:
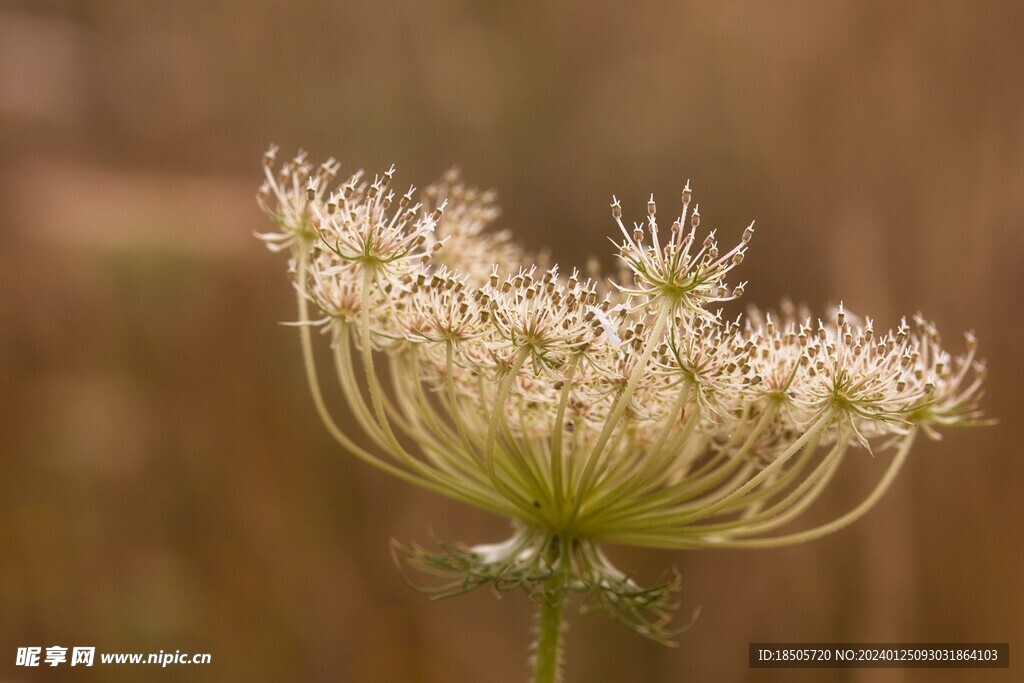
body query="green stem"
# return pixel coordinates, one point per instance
(550, 632)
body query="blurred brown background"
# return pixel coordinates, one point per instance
(165, 482)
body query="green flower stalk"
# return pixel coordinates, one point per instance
(601, 410)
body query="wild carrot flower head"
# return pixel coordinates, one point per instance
(587, 409)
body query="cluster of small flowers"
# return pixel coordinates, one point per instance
(626, 409)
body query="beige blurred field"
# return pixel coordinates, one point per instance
(165, 482)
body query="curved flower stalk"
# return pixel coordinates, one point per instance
(626, 411)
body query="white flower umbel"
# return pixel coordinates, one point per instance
(601, 410)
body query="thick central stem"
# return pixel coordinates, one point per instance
(550, 632)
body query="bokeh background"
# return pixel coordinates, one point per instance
(164, 481)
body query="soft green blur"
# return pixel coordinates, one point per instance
(165, 482)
